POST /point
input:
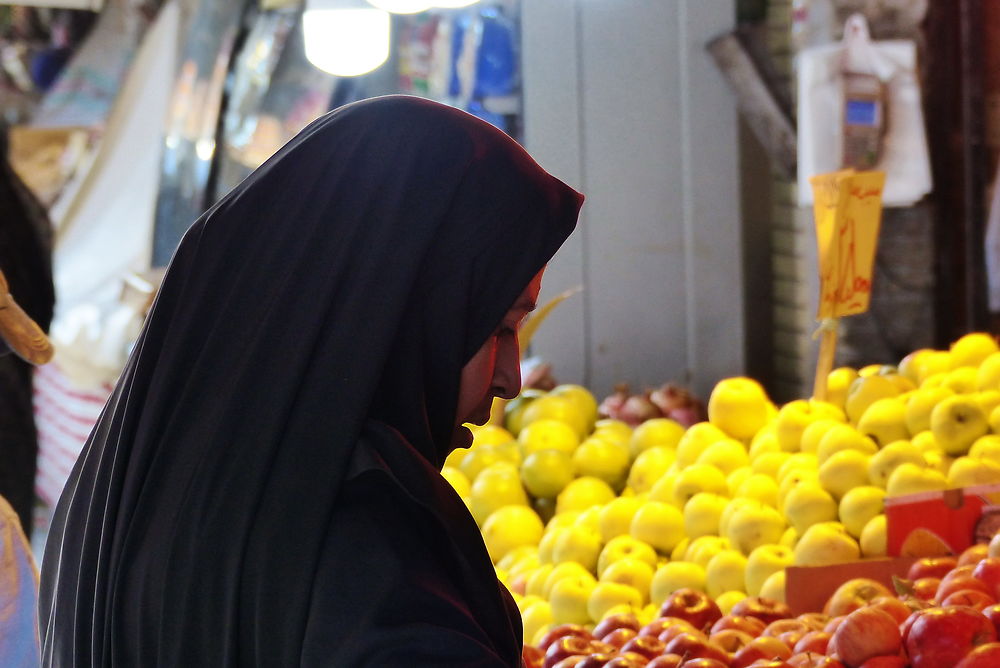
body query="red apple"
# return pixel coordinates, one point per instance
(750, 625)
(731, 640)
(565, 646)
(931, 567)
(695, 606)
(831, 626)
(972, 599)
(853, 594)
(988, 570)
(904, 628)
(943, 636)
(672, 632)
(974, 554)
(532, 657)
(660, 624)
(612, 622)
(992, 613)
(764, 647)
(779, 626)
(666, 661)
(867, 632)
(619, 636)
(571, 661)
(958, 571)
(648, 646)
(557, 632)
(959, 583)
(984, 656)
(628, 660)
(815, 620)
(770, 663)
(696, 647)
(596, 660)
(765, 609)
(813, 660)
(814, 641)
(895, 607)
(704, 662)
(893, 661)
(925, 588)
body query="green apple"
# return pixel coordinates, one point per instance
(957, 422)
(754, 524)
(623, 547)
(632, 572)
(649, 466)
(842, 471)
(807, 504)
(569, 600)
(726, 454)
(764, 561)
(658, 524)
(615, 518)
(702, 513)
(825, 544)
(725, 572)
(884, 421)
(911, 479)
(675, 575)
(920, 404)
(971, 471)
(884, 462)
(859, 506)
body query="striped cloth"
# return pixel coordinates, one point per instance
(65, 415)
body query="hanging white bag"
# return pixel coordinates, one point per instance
(825, 75)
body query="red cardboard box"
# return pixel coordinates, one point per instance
(808, 588)
(936, 523)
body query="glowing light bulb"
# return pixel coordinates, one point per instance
(454, 4)
(401, 6)
(345, 42)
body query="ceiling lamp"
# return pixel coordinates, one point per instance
(346, 38)
(454, 4)
(401, 6)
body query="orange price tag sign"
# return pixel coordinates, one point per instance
(848, 211)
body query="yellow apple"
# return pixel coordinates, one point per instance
(579, 544)
(697, 478)
(792, 420)
(971, 349)
(663, 489)
(774, 587)
(548, 434)
(457, 480)
(607, 595)
(912, 365)
(648, 467)
(844, 437)
(814, 432)
(970, 471)
(496, 486)
(843, 471)
(884, 421)
(956, 422)
(702, 513)
(728, 600)
(807, 504)
(763, 441)
(873, 538)
(754, 524)
(988, 373)
(625, 547)
(925, 442)
(792, 480)
(560, 408)
(657, 432)
(920, 404)
(994, 420)
(545, 473)
(764, 561)
(988, 400)
(535, 584)
(884, 462)
(986, 447)
(658, 524)
(768, 463)
(632, 572)
(859, 505)
(479, 459)
(736, 477)
(864, 391)
(569, 598)
(567, 569)
(679, 550)
(727, 455)
(583, 493)
(615, 517)
(838, 382)
(694, 441)
(799, 461)
(675, 575)
(789, 538)
(615, 429)
(962, 380)
(702, 549)
(825, 544)
(738, 406)
(536, 616)
(725, 572)
(910, 478)
(730, 510)
(510, 527)
(938, 461)
(760, 487)
(603, 460)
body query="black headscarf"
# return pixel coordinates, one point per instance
(345, 282)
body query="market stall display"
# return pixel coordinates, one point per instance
(588, 517)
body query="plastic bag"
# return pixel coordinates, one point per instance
(823, 74)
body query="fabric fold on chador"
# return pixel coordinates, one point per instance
(345, 283)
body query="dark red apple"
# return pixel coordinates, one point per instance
(619, 636)
(813, 660)
(532, 657)
(695, 606)
(984, 656)
(972, 599)
(814, 641)
(894, 661)
(765, 609)
(660, 624)
(672, 632)
(596, 660)
(666, 661)
(988, 570)
(695, 646)
(944, 636)
(931, 567)
(628, 660)
(568, 645)
(571, 661)
(611, 622)
(704, 662)
(867, 632)
(557, 632)
(974, 554)
(763, 647)
(815, 620)
(926, 588)
(959, 583)
(648, 646)
(750, 625)
(731, 640)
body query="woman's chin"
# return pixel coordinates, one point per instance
(461, 438)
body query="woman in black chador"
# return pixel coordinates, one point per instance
(263, 488)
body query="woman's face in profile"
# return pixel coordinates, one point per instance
(495, 369)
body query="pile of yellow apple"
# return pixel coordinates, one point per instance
(586, 517)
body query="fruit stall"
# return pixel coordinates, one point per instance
(653, 530)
